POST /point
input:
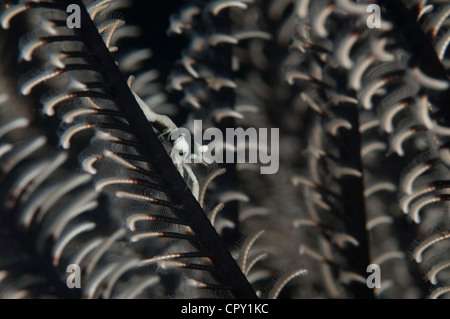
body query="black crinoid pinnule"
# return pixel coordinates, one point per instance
(87, 170)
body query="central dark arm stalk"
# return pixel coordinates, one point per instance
(227, 269)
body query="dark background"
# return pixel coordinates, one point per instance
(152, 16)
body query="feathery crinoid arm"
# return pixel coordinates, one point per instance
(381, 92)
(132, 214)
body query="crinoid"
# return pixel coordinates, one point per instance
(96, 201)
